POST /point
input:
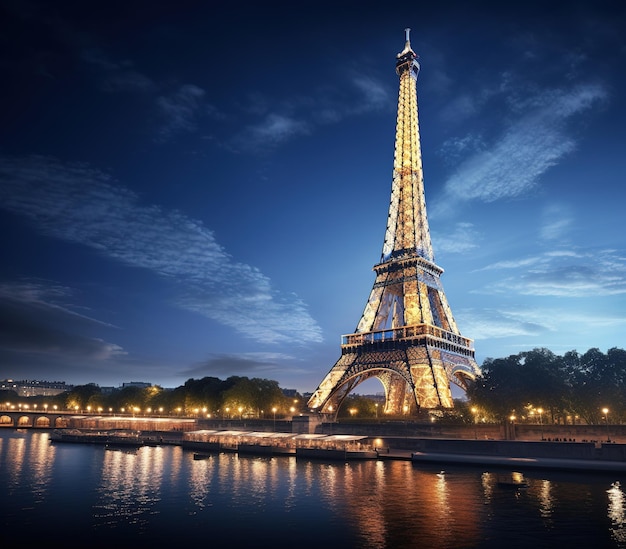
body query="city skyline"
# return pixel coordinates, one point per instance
(190, 191)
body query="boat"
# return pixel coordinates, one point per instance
(76, 435)
(515, 481)
(107, 438)
(199, 456)
(123, 449)
(335, 453)
(337, 447)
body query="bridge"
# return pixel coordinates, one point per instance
(46, 419)
(21, 419)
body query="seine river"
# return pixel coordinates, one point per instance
(77, 495)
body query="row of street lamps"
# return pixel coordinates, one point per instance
(512, 418)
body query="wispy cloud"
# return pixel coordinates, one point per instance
(532, 323)
(462, 238)
(280, 122)
(557, 221)
(117, 77)
(181, 110)
(243, 364)
(37, 317)
(371, 95)
(275, 129)
(514, 162)
(493, 323)
(564, 274)
(77, 203)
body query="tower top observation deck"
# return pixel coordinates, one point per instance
(407, 58)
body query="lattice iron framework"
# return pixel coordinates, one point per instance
(407, 337)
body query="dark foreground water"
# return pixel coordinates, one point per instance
(75, 495)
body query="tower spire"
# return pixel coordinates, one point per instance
(407, 337)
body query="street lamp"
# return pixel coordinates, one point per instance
(540, 412)
(274, 412)
(605, 411)
(376, 405)
(475, 414)
(330, 409)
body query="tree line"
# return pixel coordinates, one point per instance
(533, 386)
(233, 397)
(567, 389)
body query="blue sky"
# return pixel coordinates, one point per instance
(193, 189)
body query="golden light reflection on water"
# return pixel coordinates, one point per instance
(379, 504)
(546, 500)
(17, 449)
(394, 505)
(40, 466)
(27, 457)
(200, 482)
(130, 486)
(616, 512)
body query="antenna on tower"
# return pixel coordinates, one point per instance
(407, 31)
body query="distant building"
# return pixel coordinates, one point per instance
(29, 388)
(140, 384)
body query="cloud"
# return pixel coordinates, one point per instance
(565, 273)
(532, 322)
(117, 77)
(35, 318)
(244, 364)
(489, 324)
(557, 222)
(180, 110)
(372, 94)
(77, 203)
(288, 119)
(524, 151)
(463, 238)
(275, 129)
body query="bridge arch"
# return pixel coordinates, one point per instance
(21, 420)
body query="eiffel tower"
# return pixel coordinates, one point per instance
(407, 337)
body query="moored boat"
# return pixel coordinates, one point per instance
(516, 481)
(108, 438)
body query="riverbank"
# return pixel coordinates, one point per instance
(560, 455)
(572, 456)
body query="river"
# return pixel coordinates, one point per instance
(87, 496)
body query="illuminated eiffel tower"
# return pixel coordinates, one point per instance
(407, 337)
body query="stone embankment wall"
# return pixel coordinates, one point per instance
(483, 431)
(507, 448)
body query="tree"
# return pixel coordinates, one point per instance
(79, 396)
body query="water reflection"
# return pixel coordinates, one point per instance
(129, 488)
(28, 466)
(157, 493)
(40, 467)
(616, 512)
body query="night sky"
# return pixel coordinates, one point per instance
(193, 189)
